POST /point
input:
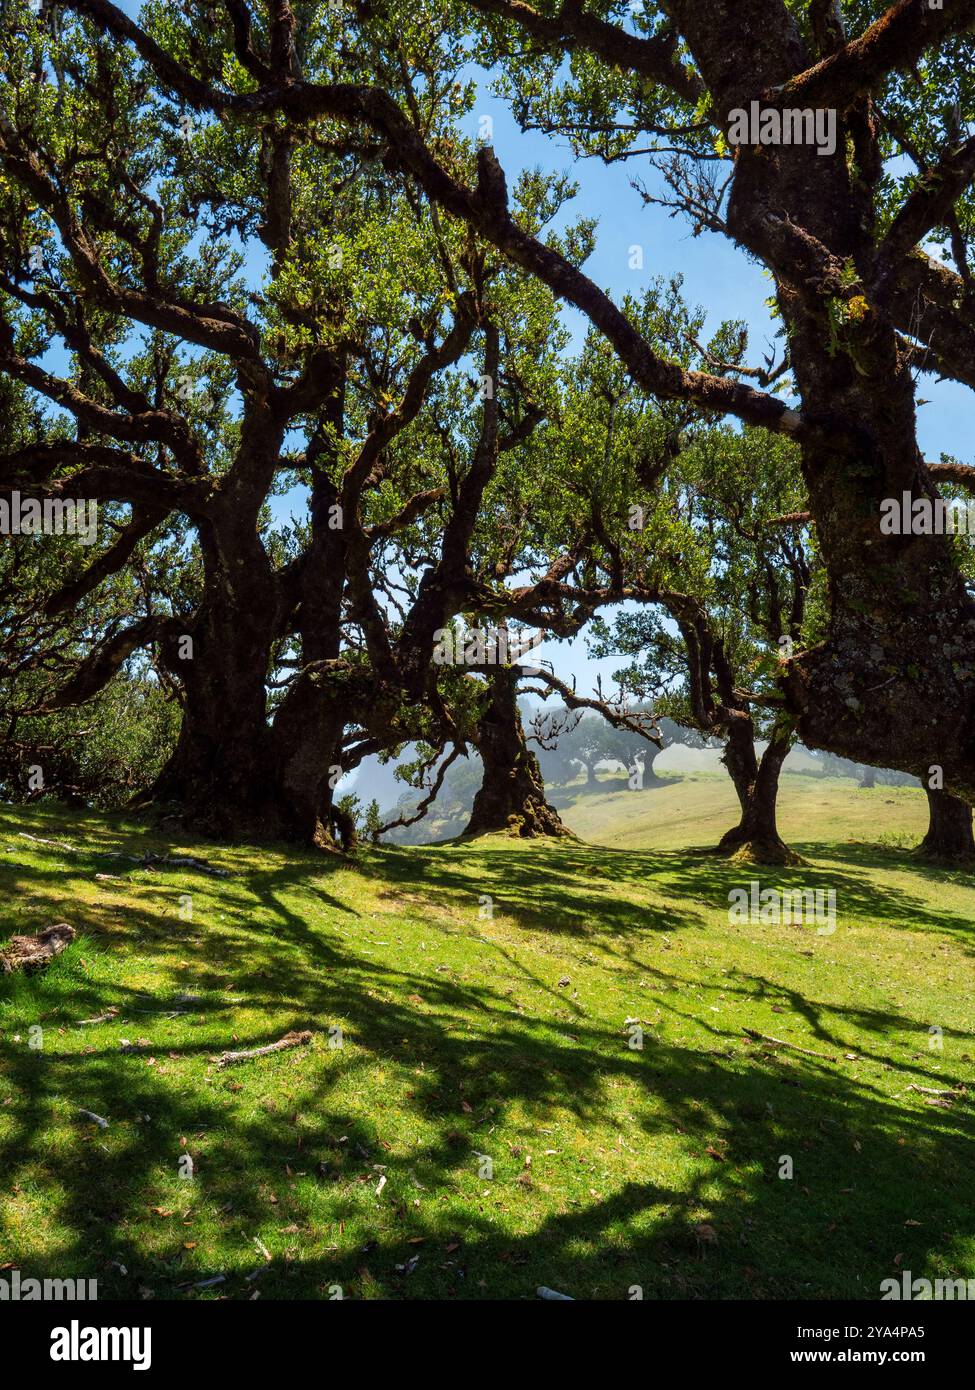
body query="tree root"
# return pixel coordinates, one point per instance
(34, 952)
(759, 851)
(781, 1042)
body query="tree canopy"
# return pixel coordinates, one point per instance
(246, 248)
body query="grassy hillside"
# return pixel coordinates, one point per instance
(465, 1034)
(696, 809)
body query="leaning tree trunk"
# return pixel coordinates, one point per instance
(512, 794)
(756, 837)
(949, 838)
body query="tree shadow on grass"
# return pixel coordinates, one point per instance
(876, 1186)
(691, 1205)
(563, 889)
(857, 898)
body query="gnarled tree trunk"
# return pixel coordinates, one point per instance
(756, 837)
(223, 778)
(233, 773)
(891, 683)
(512, 794)
(949, 838)
(310, 720)
(220, 777)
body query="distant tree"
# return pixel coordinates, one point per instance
(554, 754)
(591, 742)
(643, 755)
(724, 578)
(866, 776)
(512, 792)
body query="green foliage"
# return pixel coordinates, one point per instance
(101, 754)
(715, 544)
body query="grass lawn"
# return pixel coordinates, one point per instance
(482, 991)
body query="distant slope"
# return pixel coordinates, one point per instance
(696, 810)
(679, 757)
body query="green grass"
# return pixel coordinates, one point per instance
(697, 808)
(459, 1040)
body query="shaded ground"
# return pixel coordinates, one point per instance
(467, 1034)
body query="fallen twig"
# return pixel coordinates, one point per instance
(953, 1091)
(96, 1119)
(149, 860)
(106, 1017)
(781, 1042)
(291, 1039)
(183, 861)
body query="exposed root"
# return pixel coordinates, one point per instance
(34, 952)
(762, 852)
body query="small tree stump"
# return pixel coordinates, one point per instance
(34, 952)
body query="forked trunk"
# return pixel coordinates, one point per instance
(756, 837)
(512, 794)
(225, 776)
